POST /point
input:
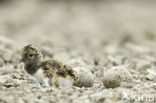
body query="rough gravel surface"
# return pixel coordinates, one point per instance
(95, 35)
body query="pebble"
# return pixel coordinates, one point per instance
(46, 51)
(96, 97)
(3, 79)
(77, 62)
(115, 75)
(1, 62)
(143, 65)
(151, 75)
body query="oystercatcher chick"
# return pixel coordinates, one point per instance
(47, 72)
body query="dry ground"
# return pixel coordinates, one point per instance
(98, 35)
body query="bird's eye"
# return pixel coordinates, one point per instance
(30, 55)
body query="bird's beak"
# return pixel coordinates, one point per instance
(21, 60)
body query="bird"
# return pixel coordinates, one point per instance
(47, 72)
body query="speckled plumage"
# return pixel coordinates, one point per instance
(52, 68)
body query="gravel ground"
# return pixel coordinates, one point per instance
(97, 35)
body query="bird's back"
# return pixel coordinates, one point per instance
(55, 70)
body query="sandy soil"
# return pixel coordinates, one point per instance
(96, 34)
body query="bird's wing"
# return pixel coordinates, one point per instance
(61, 69)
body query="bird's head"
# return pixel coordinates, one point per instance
(30, 55)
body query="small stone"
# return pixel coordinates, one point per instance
(3, 79)
(151, 75)
(97, 97)
(108, 101)
(85, 77)
(143, 65)
(77, 62)
(1, 62)
(46, 51)
(115, 75)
